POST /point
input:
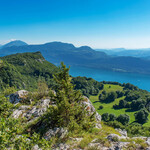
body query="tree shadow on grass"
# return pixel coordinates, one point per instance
(129, 110)
(96, 102)
(106, 101)
(116, 108)
(135, 123)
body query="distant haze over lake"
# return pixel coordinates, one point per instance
(140, 80)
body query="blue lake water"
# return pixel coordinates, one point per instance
(140, 80)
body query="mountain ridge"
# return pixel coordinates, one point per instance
(14, 43)
(24, 70)
(56, 52)
(139, 53)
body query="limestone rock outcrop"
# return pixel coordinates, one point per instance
(18, 96)
(59, 132)
(32, 112)
(90, 108)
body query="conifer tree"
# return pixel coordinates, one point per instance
(42, 87)
(69, 111)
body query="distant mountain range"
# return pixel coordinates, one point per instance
(145, 53)
(56, 52)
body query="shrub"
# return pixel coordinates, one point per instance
(107, 97)
(115, 139)
(112, 117)
(141, 116)
(105, 117)
(123, 118)
(100, 107)
(138, 104)
(69, 111)
(85, 142)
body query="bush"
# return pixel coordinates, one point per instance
(115, 139)
(123, 118)
(88, 86)
(107, 97)
(115, 124)
(138, 104)
(5, 106)
(122, 104)
(105, 117)
(141, 116)
(42, 88)
(100, 107)
(85, 142)
(119, 93)
(111, 96)
(112, 117)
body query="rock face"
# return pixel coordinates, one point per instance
(59, 132)
(148, 141)
(119, 146)
(32, 112)
(90, 108)
(42, 105)
(18, 96)
(18, 112)
(96, 145)
(123, 133)
(36, 147)
(112, 137)
(62, 146)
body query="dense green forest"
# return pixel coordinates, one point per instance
(23, 70)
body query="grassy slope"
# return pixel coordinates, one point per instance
(108, 107)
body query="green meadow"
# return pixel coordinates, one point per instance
(108, 107)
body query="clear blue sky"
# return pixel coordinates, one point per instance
(97, 23)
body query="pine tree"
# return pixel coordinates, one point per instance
(42, 87)
(69, 111)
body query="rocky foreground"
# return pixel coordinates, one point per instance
(113, 141)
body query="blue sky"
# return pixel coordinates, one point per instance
(97, 23)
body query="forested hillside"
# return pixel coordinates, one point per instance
(23, 70)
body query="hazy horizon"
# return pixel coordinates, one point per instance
(76, 45)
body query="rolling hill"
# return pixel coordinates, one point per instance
(24, 70)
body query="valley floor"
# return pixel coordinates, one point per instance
(108, 107)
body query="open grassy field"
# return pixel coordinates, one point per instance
(108, 107)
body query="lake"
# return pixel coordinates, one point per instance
(140, 80)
